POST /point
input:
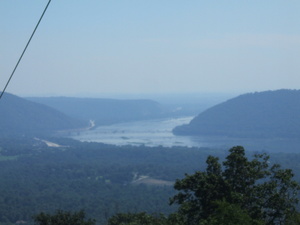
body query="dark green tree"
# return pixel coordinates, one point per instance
(266, 193)
(229, 214)
(63, 218)
(137, 219)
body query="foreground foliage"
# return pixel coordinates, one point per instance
(63, 218)
(137, 219)
(239, 191)
(267, 193)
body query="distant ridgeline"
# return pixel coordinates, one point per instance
(22, 117)
(104, 111)
(262, 114)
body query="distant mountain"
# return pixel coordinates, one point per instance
(104, 111)
(20, 116)
(260, 114)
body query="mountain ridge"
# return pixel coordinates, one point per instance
(22, 117)
(258, 114)
(103, 111)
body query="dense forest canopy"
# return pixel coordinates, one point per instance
(238, 191)
(97, 177)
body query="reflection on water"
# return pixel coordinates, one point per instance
(159, 133)
(149, 132)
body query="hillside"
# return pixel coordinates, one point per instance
(260, 115)
(103, 111)
(20, 116)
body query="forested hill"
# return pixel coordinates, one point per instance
(104, 111)
(20, 116)
(260, 114)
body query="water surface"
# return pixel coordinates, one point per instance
(158, 132)
(147, 132)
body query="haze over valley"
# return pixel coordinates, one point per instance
(149, 112)
(71, 144)
(262, 121)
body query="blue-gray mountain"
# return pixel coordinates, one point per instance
(260, 115)
(104, 111)
(22, 117)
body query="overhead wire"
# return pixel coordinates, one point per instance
(28, 42)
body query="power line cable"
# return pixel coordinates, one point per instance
(25, 48)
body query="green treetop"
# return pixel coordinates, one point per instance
(262, 193)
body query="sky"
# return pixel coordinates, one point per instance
(94, 47)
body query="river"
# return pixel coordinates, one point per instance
(147, 132)
(158, 132)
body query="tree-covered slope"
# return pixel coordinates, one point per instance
(104, 111)
(260, 114)
(20, 116)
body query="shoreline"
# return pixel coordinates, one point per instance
(91, 126)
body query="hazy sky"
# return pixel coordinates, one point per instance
(86, 47)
